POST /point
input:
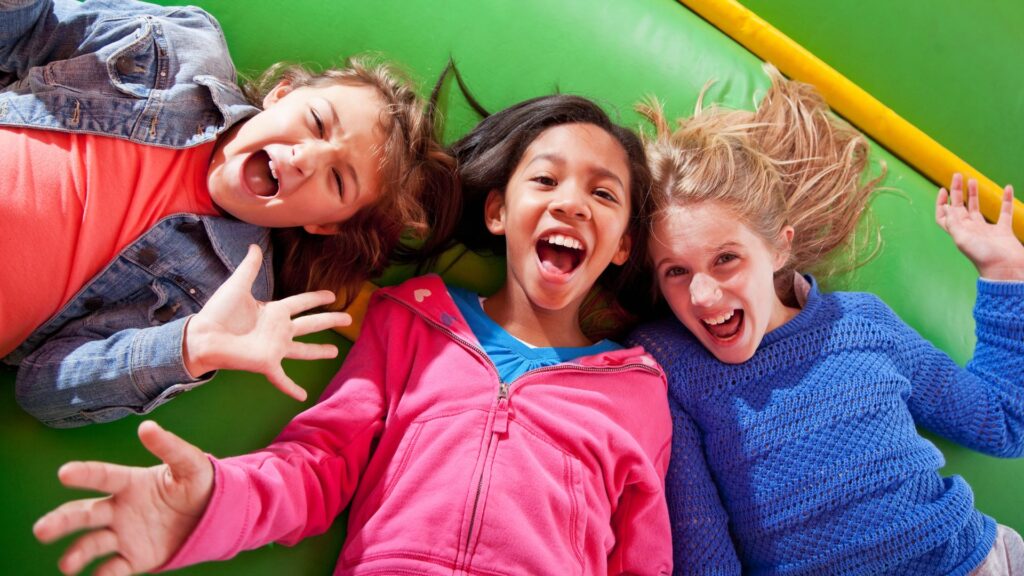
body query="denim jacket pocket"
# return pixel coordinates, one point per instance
(135, 68)
(127, 66)
(164, 308)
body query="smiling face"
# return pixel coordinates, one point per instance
(311, 158)
(718, 277)
(564, 214)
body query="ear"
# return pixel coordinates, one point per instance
(494, 212)
(784, 246)
(322, 229)
(276, 93)
(625, 244)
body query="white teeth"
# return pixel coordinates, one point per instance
(562, 240)
(723, 317)
(273, 170)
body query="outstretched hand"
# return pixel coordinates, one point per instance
(993, 248)
(146, 518)
(237, 332)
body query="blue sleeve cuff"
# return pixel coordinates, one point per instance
(1000, 287)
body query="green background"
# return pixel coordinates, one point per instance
(954, 83)
(951, 68)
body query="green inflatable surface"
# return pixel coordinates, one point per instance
(615, 52)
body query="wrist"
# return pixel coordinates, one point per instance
(195, 347)
(1003, 272)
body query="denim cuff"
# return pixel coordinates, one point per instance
(157, 366)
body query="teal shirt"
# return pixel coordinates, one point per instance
(512, 357)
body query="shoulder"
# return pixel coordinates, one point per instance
(853, 306)
(668, 341)
(419, 289)
(426, 296)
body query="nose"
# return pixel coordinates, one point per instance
(306, 157)
(570, 202)
(704, 290)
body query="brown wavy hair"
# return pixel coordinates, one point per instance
(789, 162)
(420, 196)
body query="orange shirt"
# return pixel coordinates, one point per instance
(69, 203)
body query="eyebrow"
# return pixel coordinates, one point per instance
(558, 159)
(719, 248)
(336, 124)
(724, 245)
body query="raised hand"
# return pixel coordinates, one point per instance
(235, 331)
(146, 518)
(993, 248)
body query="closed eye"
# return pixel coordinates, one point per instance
(319, 122)
(339, 183)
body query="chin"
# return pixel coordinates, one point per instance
(733, 357)
(733, 353)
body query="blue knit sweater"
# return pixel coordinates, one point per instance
(808, 455)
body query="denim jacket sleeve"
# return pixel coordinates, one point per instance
(73, 380)
(116, 348)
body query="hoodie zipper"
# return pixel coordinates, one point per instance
(499, 424)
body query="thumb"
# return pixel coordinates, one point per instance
(184, 459)
(246, 272)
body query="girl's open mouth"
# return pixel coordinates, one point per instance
(259, 176)
(724, 326)
(560, 254)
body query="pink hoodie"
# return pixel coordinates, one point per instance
(449, 471)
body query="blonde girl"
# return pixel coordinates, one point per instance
(795, 447)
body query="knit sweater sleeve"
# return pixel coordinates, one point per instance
(700, 532)
(980, 406)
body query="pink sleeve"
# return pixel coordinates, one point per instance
(297, 486)
(643, 534)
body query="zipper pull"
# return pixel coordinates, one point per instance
(500, 425)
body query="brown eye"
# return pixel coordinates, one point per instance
(726, 258)
(674, 271)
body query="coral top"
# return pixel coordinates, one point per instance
(71, 202)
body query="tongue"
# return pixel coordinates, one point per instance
(556, 257)
(257, 174)
(726, 329)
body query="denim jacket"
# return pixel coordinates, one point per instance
(156, 76)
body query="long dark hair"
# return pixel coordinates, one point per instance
(489, 154)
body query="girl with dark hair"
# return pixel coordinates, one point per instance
(795, 447)
(471, 436)
(138, 175)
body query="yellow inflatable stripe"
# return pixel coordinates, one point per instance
(860, 108)
(357, 309)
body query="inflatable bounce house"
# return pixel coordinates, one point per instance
(948, 75)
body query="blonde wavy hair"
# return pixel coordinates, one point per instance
(789, 162)
(420, 195)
